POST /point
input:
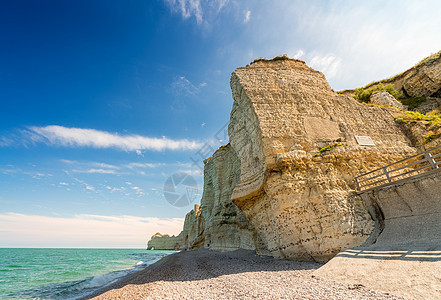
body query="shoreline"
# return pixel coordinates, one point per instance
(240, 274)
(126, 278)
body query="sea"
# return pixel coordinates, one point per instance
(42, 273)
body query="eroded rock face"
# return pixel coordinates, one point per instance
(301, 204)
(425, 81)
(218, 224)
(165, 242)
(384, 98)
(226, 227)
(194, 227)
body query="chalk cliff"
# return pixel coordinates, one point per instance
(284, 184)
(422, 80)
(217, 223)
(226, 227)
(299, 199)
(165, 242)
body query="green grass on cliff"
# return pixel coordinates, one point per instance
(412, 102)
(412, 116)
(431, 120)
(327, 148)
(364, 95)
(280, 57)
(363, 92)
(429, 60)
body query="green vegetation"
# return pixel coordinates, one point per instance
(280, 57)
(413, 116)
(412, 102)
(364, 95)
(425, 62)
(428, 137)
(429, 60)
(327, 148)
(432, 121)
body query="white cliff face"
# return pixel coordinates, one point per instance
(194, 229)
(218, 224)
(302, 205)
(165, 242)
(226, 227)
(284, 185)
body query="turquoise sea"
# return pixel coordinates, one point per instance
(43, 273)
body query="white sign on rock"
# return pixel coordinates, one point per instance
(364, 140)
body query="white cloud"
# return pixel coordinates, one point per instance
(63, 183)
(181, 86)
(80, 137)
(201, 10)
(104, 165)
(247, 16)
(4, 142)
(327, 64)
(19, 230)
(96, 171)
(298, 54)
(187, 8)
(144, 165)
(194, 172)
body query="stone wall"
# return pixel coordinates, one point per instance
(405, 258)
(410, 210)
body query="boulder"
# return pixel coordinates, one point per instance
(384, 98)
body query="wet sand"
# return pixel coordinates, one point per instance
(240, 274)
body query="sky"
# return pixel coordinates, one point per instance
(108, 108)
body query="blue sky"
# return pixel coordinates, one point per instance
(102, 101)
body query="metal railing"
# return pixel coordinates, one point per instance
(406, 168)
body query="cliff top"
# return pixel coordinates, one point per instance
(159, 235)
(278, 60)
(428, 61)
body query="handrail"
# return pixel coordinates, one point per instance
(423, 161)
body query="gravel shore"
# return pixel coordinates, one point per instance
(241, 274)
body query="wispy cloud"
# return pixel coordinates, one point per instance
(181, 86)
(298, 54)
(144, 165)
(187, 8)
(4, 141)
(80, 137)
(20, 230)
(247, 17)
(97, 171)
(201, 10)
(328, 64)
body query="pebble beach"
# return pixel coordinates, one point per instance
(204, 274)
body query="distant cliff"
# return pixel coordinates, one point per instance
(165, 242)
(216, 224)
(284, 184)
